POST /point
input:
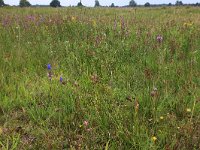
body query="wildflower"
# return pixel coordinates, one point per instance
(73, 18)
(188, 110)
(85, 123)
(123, 24)
(61, 79)
(94, 23)
(189, 24)
(161, 117)
(49, 66)
(80, 126)
(185, 24)
(159, 38)
(154, 138)
(155, 89)
(31, 18)
(89, 129)
(154, 92)
(115, 25)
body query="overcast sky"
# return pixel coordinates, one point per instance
(102, 2)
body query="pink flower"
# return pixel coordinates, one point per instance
(85, 123)
(159, 38)
(90, 129)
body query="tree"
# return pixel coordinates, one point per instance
(24, 3)
(147, 4)
(2, 3)
(179, 3)
(132, 3)
(55, 3)
(97, 4)
(170, 4)
(197, 4)
(80, 4)
(112, 5)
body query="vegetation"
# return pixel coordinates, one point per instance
(97, 4)
(179, 3)
(55, 3)
(24, 3)
(112, 5)
(132, 3)
(80, 4)
(147, 4)
(170, 4)
(100, 78)
(2, 3)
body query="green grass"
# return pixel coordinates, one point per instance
(129, 87)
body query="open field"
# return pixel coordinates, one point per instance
(85, 78)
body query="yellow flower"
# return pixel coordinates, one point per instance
(188, 110)
(161, 117)
(189, 24)
(185, 24)
(73, 18)
(154, 138)
(94, 23)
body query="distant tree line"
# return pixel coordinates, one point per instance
(132, 3)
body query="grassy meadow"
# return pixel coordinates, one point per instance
(100, 78)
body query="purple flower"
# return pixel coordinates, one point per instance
(61, 79)
(159, 38)
(123, 26)
(31, 18)
(49, 66)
